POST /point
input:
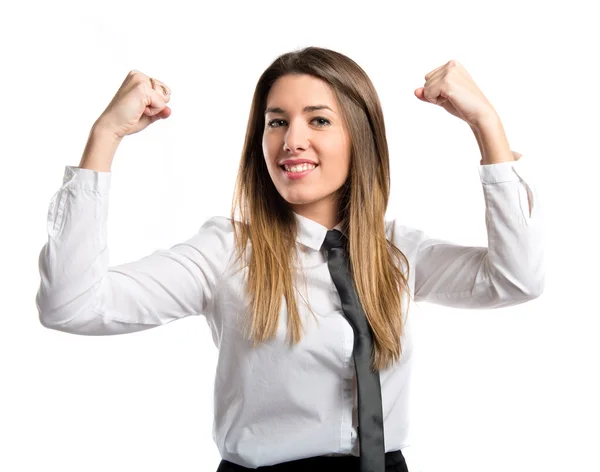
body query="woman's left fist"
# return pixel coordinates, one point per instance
(451, 87)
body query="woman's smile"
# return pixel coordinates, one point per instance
(300, 171)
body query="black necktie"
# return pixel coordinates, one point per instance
(370, 415)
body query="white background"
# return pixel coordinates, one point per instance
(513, 389)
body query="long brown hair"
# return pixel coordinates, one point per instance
(268, 222)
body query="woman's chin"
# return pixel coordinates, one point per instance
(299, 200)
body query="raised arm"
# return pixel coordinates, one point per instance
(79, 293)
(507, 272)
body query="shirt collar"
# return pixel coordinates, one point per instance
(311, 233)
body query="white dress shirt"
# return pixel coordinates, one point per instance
(274, 404)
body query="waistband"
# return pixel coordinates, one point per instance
(349, 463)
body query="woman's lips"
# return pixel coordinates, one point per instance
(297, 175)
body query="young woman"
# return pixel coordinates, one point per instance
(306, 286)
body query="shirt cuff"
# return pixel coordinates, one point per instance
(87, 178)
(509, 171)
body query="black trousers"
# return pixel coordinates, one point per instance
(394, 462)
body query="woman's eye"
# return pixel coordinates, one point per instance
(273, 121)
(317, 118)
(322, 119)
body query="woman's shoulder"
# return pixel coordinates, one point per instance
(218, 223)
(215, 233)
(402, 235)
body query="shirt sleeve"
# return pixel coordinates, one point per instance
(79, 293)
(507, 272)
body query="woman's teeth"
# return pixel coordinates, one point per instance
(299, 168)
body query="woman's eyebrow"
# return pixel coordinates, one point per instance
(306, 109)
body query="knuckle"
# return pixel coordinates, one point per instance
(140, 77)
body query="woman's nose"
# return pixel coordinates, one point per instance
(294, 148)
(295, 140)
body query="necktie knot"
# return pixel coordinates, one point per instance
(333, 238)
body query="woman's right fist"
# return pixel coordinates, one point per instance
(135, 105)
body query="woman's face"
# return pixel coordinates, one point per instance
(291, 132)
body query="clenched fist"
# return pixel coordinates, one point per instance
(139, 102)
